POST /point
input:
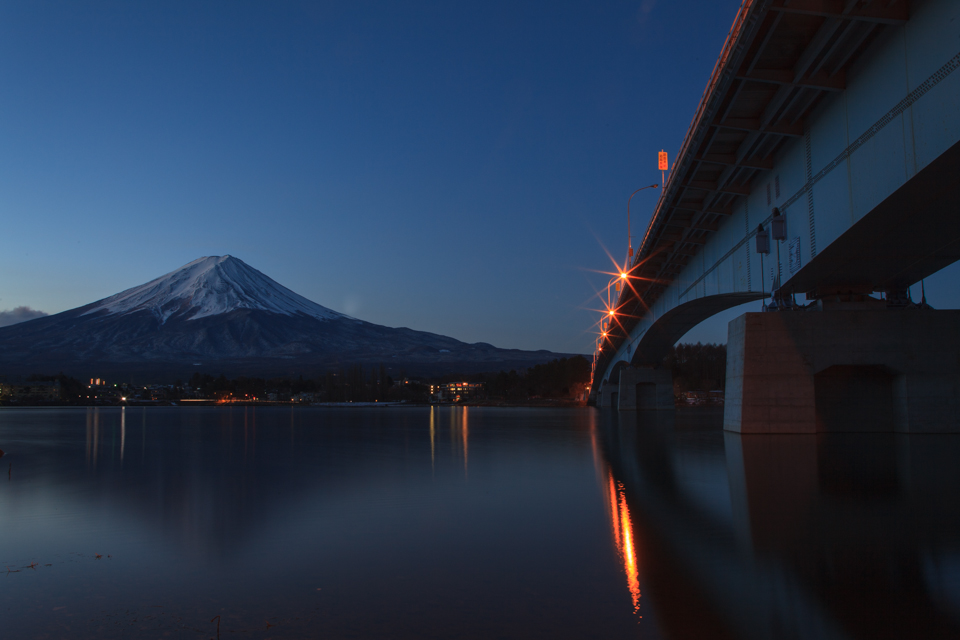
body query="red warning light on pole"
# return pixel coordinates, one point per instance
(663, 161)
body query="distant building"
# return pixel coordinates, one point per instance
(454, 392)
(31, 391)
(158, 392)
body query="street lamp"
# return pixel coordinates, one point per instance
(630, 237)
(617, 281)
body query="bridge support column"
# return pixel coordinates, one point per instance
(865, 370)
(608, 395)
(645, 390)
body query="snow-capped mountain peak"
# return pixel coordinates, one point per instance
(211, 286)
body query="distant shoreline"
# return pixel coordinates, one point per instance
(546, 403)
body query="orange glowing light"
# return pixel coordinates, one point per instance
(623, 276)
(612, 312)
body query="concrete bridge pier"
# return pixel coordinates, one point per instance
(637, 389)
(869, 370)
(645, 389)
(609, 395)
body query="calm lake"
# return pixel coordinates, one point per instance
(455, 522)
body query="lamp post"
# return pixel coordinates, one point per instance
(618, 281)
(630, 237)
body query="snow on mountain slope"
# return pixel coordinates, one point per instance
(211, 286)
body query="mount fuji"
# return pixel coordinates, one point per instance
(218, 314)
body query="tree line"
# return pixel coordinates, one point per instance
(561, 378)
(697, 367)
(347, 384)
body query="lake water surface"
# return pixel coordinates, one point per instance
(454, 522)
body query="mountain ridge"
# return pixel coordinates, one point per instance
(219, 313)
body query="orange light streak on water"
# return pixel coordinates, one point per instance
(629, 553)
(623, 538)
(433, 432)
(615, 517)
(466, 437)
(123, 432)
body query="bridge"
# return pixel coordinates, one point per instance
(841, 117)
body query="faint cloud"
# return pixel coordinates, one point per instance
(19, 314)
(643, 13)
(351, 306)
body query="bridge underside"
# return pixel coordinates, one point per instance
(662, 334)
(912, 234)
(909, 236)
(671, 326)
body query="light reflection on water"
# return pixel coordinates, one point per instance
(623, 538)
(801, 536)
(414, 522)
(470, 522)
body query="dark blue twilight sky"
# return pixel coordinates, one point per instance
(456, 167)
